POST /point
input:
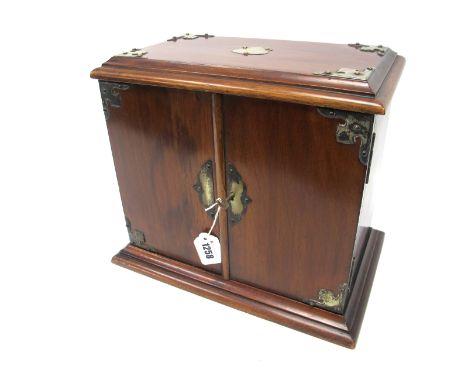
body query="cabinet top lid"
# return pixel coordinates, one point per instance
(344, 76)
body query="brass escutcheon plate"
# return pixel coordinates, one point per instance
(204, 186)
(239, 200)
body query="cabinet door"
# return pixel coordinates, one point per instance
(297, 234)
(160, 139)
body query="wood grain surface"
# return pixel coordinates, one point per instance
(306, 228)
(299, 230)
(340, 329)
(160, 138)
(288, 73)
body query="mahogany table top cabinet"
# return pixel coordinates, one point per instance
(280, 139)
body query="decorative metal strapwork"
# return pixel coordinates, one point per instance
(137, 238)
(330, 300)
(252, 50)
(354, 126)
(110, 95)
(189, 36)
(379, 49)
(239, 199)
(135, 53)
(349, 74)
(204, 186)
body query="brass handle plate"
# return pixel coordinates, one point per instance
(252, 50)
(236, 200)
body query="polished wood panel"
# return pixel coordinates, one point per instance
(289, 62)
(299, 230)
(310, 320)
(160, 138)
(224, 85)
(288, 73)
(265, 297)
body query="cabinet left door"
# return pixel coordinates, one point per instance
(161, 139)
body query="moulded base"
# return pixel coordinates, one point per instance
(342, 329)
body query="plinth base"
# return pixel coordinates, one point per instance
(342, 329)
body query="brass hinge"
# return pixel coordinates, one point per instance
(379, 49)
(189, 36)
(349, 74)
(134, 53)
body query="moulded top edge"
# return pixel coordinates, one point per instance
(354, 69)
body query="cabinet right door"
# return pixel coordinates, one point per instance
(296, 235)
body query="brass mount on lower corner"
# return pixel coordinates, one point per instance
(137, 237)
(330, 300)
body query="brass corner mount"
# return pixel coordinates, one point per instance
(137, 237)
(110, 95)
(134, 53)
(355, 126)
(330, 300)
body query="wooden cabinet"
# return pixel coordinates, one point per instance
(287, 136)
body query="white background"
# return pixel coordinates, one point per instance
(68, 314)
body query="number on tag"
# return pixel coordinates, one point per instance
(208, 249)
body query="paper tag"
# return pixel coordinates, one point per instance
(208, 249)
